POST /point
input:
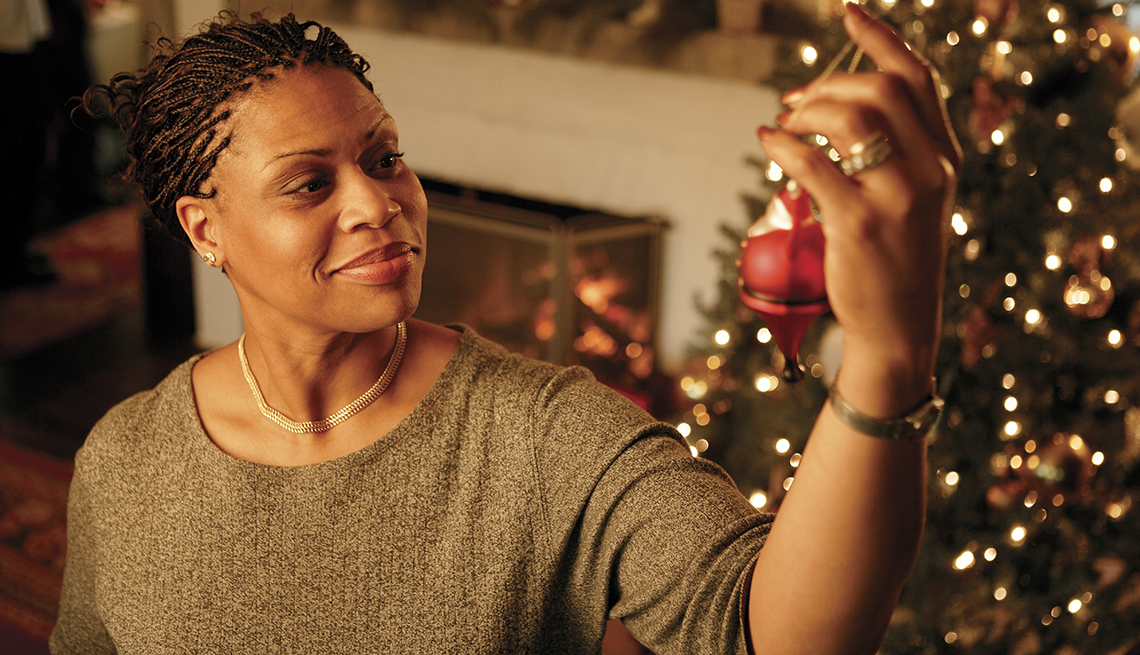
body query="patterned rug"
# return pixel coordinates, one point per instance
(97, 259)
(33, 542)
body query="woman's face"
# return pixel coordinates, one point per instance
(318, 220)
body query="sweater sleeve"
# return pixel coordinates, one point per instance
(668, 536)
(79, 629)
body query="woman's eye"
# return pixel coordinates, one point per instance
(388, 161)
(312, 186)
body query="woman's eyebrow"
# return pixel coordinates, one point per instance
(377, 131)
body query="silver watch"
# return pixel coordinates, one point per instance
(915, 425)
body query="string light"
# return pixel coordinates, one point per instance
(1053, 262)
(783, 446)
(1000, 593)
(979, 26)
(1026, 78)
(1115, 339)
(1108, 242)
(1064, 120)
(1007, 381)
(998, 137)
(684, 429)
(1054, 14)
(764, 335)
(1064, 204)
(758, 499)
(952, 38)
(1033, 317)
(1004, 47)
(1097, 458)
(774, 172)
(809, 55)
(958, 222)
(721, 337)
(1010, 280)
(964, 561)
(1010, 403)
(1017, 534)
(990, 554)
(1030, 499)
(952, 478)
(1060, 36)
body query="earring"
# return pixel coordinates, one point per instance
(210, 260)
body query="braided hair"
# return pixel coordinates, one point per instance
(173, 113)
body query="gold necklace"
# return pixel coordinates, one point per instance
(343, 415)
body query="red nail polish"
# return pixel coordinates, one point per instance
(764, 132)
(784, 116)
(856, 10)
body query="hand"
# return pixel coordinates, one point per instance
(885, 226)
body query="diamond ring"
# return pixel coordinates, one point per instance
(868, 153)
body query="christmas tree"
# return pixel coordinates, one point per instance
(1032, 542)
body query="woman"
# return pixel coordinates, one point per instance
(470, 500)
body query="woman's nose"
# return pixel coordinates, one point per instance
(368, 202)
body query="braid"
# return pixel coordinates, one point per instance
(173, 112)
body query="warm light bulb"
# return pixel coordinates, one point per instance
(685, 429)
(1064, 204)
(990, 554)
(1017, 534)
(1108, 242)
(1012, 429)
(1026, 78)
(1075, 605)
(764, 335)
(774, 172)
(1054, 15)
(783, 446)
(1097, 458)
(809, 55)
(1115, 338)
(952, 38)
(952, 478)
(999, 593)
(1111, 397)
(1033, 317)
(1064, 120)
(998, 137)
(1010, 403)
(959, 224)
(1053, 262)
(1007, 381)
(721, 337)
(1060, 36)
(1010, 279)
(758, 499)
(964, 561)
(979, 26)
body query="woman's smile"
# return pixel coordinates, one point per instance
(382, 265)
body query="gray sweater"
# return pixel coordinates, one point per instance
(515, 509)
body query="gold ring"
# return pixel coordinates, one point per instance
(868, 153)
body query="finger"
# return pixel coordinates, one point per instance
(809, 167)
(890, 52)
(852, 111)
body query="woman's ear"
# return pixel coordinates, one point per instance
(196, 217)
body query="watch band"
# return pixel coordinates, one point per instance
(914, 425)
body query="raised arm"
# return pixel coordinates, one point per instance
(846, 535)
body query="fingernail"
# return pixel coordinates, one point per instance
(764, 132)
(793, 96)
(856, 11)
(784, 116)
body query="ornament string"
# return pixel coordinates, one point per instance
(831, 66)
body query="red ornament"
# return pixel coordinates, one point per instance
(781, 272)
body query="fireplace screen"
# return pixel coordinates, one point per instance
(547, 281)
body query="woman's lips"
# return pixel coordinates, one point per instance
(381, 266)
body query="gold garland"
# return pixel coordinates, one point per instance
(343, 415)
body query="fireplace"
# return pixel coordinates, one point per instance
(559, 283)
